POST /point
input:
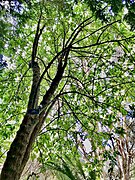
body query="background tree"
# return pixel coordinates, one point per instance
(69, 75)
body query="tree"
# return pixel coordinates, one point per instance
(75, 79)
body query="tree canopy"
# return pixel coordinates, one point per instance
(67, 91)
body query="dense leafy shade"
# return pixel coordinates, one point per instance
(95, 89)
(107, 9)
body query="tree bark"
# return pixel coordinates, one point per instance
(12, 167)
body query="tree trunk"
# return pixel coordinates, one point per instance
(16, 156)
(20, 148)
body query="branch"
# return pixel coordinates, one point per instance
(33, 98)
(103, 27)
(113, 86)
(74, 114)
(75, 92)
(37, 36)
(81, 25)
(34, 95)
(97, 44)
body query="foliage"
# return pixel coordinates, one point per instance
(73, 169)
(107, 9)
(98, 81)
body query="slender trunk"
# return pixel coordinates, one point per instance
(126, 173)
